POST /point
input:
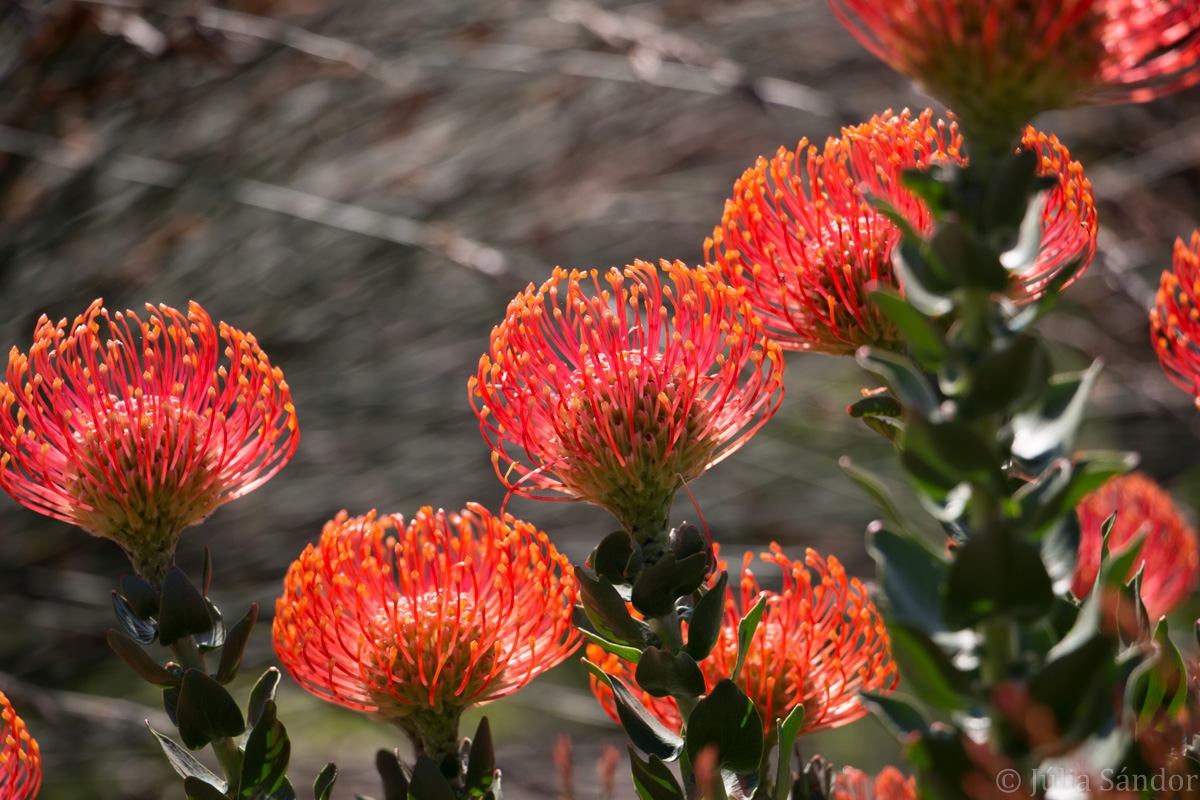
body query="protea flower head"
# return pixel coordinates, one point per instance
(1170, 550)
(997, 63)
(414, 622)
(623, 387)
(889, 784)
(137, 431)
(820, 643)
(1175, 318)
(802, 241)
(20, 761)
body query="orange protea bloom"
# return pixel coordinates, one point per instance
(414, 622)
(139, 432)
(1000, 62)
(1170, 550)
(890, 784)
(820, 643)
(807, 253)
(20, 761)
(618, 393)
(1175, 319)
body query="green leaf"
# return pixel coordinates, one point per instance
(704, 627)
(653, 779)
(235, 646)
(184, 762)
(265, 763)
(664, 674)
(630, 654)
(206, 711)
(1021, 258)
(904, 381)
(1075, 684)
(184, 611)
(875, 488)
(1013, 183)
(896, 713)
(660, 585)
(746, 628)
(969, 262)
(143, 598)
(646, 732)
(395, 785)
(1158, 687)
(923, 280)
(727, 718)
(1007, 379)
(427, 781)
(911, 578)
(323, 785)
(925, 339)
(284, 792)
(613, 556)
(215, 638)
(1048, 431)
(1059, 549)
(481, 762)
(142, 631)
(606, 610)
(928, 669)
(264, 690)
(196, 789)
(995, 574)
(786, 731)
(876, 405)
(952, 452)
(132, 654)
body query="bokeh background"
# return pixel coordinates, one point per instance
(364, 184)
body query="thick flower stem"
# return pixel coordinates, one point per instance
(188, 654)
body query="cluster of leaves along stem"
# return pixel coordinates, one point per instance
(985, 430)
(680, 586)
(252, 747)
(472, 775)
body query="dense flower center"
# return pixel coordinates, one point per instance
(628, 430)
(430, 652)
(144, 470)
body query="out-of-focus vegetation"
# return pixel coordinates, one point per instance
(364, 185)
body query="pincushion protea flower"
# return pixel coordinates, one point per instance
(997, 63)
(139, 431)
(415, 622)
(890, 784)
(618, 393)
(1175, 319)
(820, 643)
(801, 240)
(20, 761)
(1170, 549)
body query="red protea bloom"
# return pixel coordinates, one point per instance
(20, 761)
(808, 252)
(139, 432)
(618, 394)
(1000, 62)
(415, 622)
(820, 643)
(890, 784)
(1170, 549)
(1175, 319)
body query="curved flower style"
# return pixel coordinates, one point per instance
(138, 433)
(1000, 62)
(1175, 319)
(617, 394)
(806, 253)
(820, 643)
(890, 784)
(20, 761)
(415, 622)
(1170, 550)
